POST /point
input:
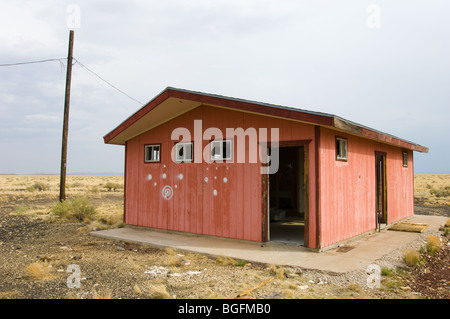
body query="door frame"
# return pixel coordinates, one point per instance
(381, 187)
(265, 191)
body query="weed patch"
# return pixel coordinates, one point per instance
(78, 209)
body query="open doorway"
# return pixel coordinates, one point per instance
(287, 197)
(381, 188)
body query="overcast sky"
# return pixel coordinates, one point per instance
(383, 64)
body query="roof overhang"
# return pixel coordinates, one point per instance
(173, 102)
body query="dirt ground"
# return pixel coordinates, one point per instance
(41, 256)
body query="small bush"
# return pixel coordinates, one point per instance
(62, 209)
(447, 223)
(433, 244)
(38, 186)
(112, 186)
(78, 209)
(411, 257)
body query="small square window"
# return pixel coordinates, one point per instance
(405, 159)
(221, 150)
(184, 152)
(153, 153)
(341, 149)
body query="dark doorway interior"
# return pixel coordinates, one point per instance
(287, 197)
(381, 188)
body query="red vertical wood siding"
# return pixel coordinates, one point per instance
(347, 189)
(204, 203)
(235, 210)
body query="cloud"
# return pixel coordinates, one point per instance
(46, 118)
(314, 55)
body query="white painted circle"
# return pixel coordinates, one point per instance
(225, 179)
(164, 176)
(180, 177)
(167, 192)
(206, 179)
(215, 192)
(149, 177)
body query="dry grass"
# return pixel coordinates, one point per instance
(434, 243)
(173, 258)
(278, 271)
(287, 294)
(411, 257)
(31, 186)
(226, 261)
(152, 291)
(104, 294)
(39, 271)
(354, 287)
(102, 223)
(109, 207)
(137, 290)
(432, 189)
(8, 294)
(36, 195)
(171, 251)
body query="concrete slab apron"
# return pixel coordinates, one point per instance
(362, 252)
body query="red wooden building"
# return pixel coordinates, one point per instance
(335, 179)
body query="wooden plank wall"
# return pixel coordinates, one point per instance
(347, 203)
(220, 199)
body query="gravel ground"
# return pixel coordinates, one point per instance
(36, 257)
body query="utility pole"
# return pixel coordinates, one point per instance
(62, 184)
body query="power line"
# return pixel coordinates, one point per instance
(61, 60)
(31, 62)
(103, 85)
(83, 66)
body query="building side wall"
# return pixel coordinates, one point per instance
(348, 189)
(220, 199)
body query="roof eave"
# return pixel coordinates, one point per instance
(315, 118)
(360, 130)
